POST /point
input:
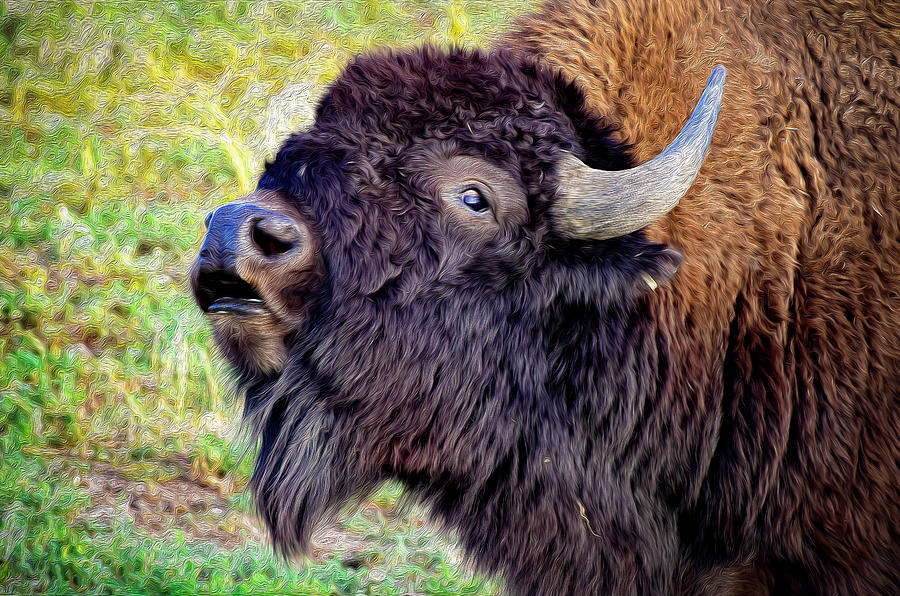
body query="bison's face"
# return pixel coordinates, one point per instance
(399, 293)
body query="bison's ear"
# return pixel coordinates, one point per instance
(655, 264)
(618, 270)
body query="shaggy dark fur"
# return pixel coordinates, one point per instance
(735, 431)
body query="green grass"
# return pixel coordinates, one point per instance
(121, 125)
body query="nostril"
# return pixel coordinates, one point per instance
(274, 236)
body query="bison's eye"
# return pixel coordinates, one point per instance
(473, 192)
(472, 199)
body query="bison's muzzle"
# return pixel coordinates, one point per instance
(235, 231)
(257, 263)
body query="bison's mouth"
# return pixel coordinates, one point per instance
(222, 292)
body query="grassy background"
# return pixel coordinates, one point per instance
(121, 125)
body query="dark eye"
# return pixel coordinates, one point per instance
(472, 199)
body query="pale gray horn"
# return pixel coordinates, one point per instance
(599, 204)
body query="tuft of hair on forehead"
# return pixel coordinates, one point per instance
(427, 92)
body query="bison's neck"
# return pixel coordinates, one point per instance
(576, 463)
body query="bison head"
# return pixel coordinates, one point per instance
(435, 283)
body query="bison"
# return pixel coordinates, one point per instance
(612, 366)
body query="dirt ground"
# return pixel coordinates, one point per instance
(205, 512)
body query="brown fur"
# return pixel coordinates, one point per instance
(790, 288)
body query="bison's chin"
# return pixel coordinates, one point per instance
(252, 341)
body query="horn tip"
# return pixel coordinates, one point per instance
(718, 75)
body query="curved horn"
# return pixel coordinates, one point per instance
(598, 204)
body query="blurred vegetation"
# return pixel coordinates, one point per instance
(121, 125)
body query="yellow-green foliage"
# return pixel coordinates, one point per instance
(121, 125)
